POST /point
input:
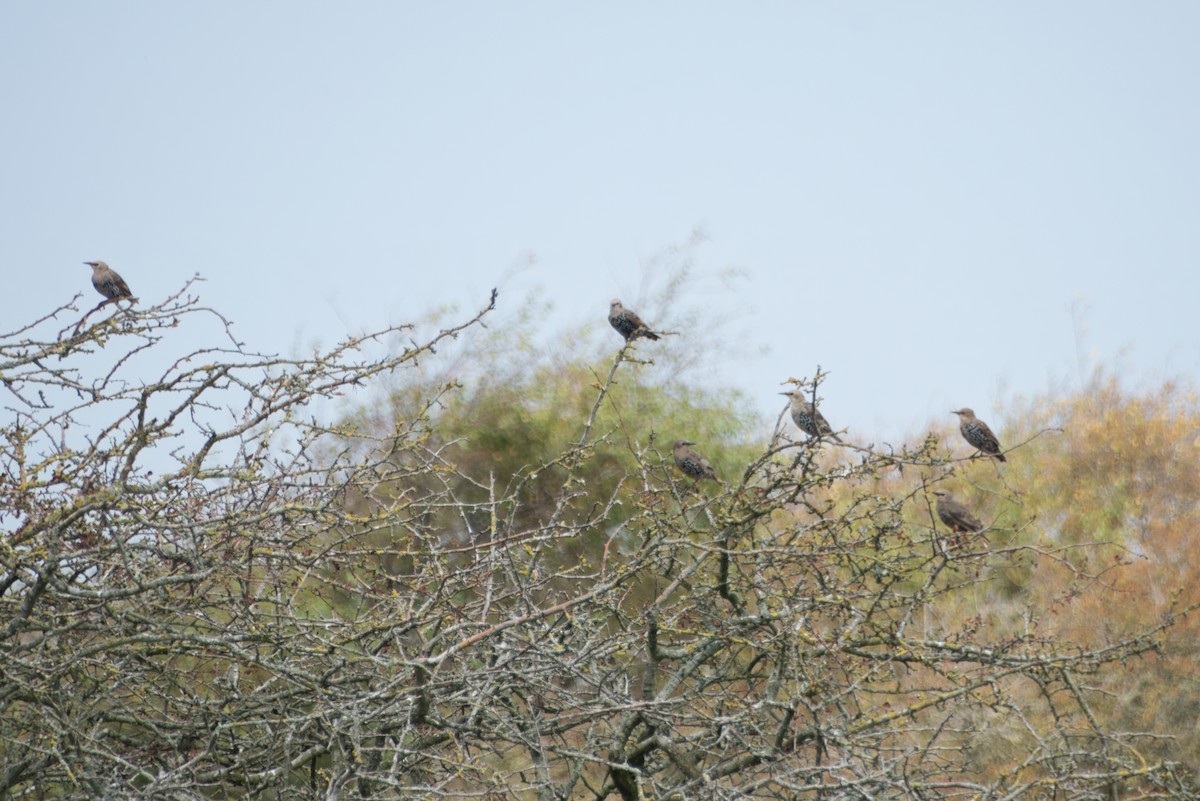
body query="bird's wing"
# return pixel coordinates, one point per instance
(989, 436)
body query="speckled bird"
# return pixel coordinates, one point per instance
(691, 463)
(957, 517)
(627, 323)
(977, 433)
(107, 282)
(808, 418)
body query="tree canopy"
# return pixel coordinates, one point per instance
(486, 579)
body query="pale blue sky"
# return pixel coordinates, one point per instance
(915, 191)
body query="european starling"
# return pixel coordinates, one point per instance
(956, 516)
(231, 677)
(627, 323)
(808, 418)
(107, 282)
(691, 463)
(976, 432)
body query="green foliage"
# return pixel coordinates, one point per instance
(514, 420)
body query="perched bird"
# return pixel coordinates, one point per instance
(627, 323)
(976, 432)
(107, 282)
(956, 516)
(808, 418)
(691, 463)
(232, 675)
